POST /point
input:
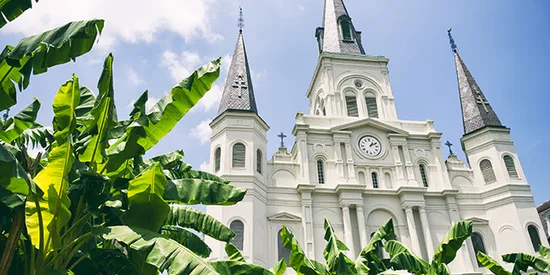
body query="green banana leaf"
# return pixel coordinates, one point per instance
(103, 115)
(279, 268)
(491, 264)
(544, 252)
(161, 252)
(337, 261)
(11, 9)
(298, 259)
(36, 135)
(197, 191)
(451, 243)
(187, 239)
(47, 214)
(403, 259)
(523, 261)
(35, 54)
(233, 253)
(139, 105)
(185, 171)
(87, 101)
(15, 126)
(112, 262)
(146, 208)
(191, 218)
(368, 261)
(239, 268)
(13, 177)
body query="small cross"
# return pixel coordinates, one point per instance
(482, 100)
(282, 136)
(448, 144)
(240, 84)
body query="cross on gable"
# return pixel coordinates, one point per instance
(240, 85)
(481, 100)
(282, 137)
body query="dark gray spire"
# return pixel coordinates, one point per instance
(476, 111)
(238, 94)
(338, 35)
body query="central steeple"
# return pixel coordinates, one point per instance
(338, 35)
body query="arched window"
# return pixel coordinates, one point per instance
(238, 240)
(362, 178)
(374, 180)
(423, 175)
(351, 104)
(282, 251)
(346, 30)
(510, 166)
(259, 161)
(477, 241)
(217, 159)
(487, 171)
(320, 172)
(534, 235)
(239, 152)
(372, 108)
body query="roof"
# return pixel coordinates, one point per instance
(331, 32)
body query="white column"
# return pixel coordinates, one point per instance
(350, 163)
(362, 226)
(348, 235)
(426, 230)
(382, 178)
(409, 166)
(412, 231)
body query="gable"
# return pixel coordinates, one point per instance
(369, 122)
(285, 217)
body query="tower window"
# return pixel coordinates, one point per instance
(346, 30)
(372, 108)
(259, 161)
(351, 104)
(423, 175)
(477, 241)
(320, 172)
(374, 180)
(217, 159)
(510, 166)
(238, 240)
(239, 152)
(282, 251)
(487, 171)
(534, 235)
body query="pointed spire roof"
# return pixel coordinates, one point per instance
(338, 35)
(238, 93)
(477, 113)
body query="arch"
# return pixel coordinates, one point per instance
(372, 107)
(397, 220)
(259, 160)
(239, 155)
(487, 171)
(510, 166)
(351, 103)
(380, 215)
(387, 180)
(320, 171)
(423, 174)
(534, 236)
(461, 180)
(479, 245)
(283, 177)
(282, 252)
(362, 178)
(217, 159)
(237, 226)
(374, 177)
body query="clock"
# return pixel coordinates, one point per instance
(370, 146)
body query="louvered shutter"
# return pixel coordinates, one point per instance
(239, 152)
(510, 166)
(238, 240)
(372, 108)
(374, 180)
(217, 159)
(423, 175)
(351, 103)
(320, 172)
(487, 171)
(259, 161)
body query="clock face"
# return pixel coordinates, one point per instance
(370, 146)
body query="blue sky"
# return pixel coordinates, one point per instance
(157, 43)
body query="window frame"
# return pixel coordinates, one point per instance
(259, 161)
(343, 23)
(217, 159)
(423, 174)
(536, 231)
(321, 175)
(241, 248)
(284, 249)
(233, 161)
(489, 179)
(374, 180)
(512, 170)
(351, 94)
(370, 95)
(476, 249)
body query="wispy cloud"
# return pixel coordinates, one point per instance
(202, 131)
(134, 77)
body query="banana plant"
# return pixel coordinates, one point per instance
(522, 262)
(11, 9)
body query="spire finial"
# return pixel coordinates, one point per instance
(240, 23)
(451, 40)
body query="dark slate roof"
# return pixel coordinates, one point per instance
(477, 113)
(238, 93)
(331, 33)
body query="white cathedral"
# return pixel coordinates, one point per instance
(357, 164)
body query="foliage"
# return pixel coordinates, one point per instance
(522, 262)
(11, 9)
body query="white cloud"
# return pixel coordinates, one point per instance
(204, 167)
(134, 78)
(127, 20)
(202, 131)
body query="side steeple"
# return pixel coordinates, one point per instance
(238, 93)
(338, 35)
(476, 111)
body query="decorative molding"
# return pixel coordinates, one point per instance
(285, 217)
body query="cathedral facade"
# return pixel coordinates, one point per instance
(355, 163)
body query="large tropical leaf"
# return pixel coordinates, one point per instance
(491, 264)
(146, 208)
(298, 259)
(11, 9)
(187, 239)
(403, 259)
(368, 261)
(279, 268)
(523, 261)
(35, 54)
(159, 251)
(36, 135)
(239, 268)
(15, 126)
(111, 262)
(544, 252)
(12, 175)
(197, 191)
(47, 213)
(233, 253)
(337, 261)
(451, 243)
(191, 218)
(87, 102)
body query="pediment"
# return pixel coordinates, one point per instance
(369, 122)
(477, 220)
(285, 217)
